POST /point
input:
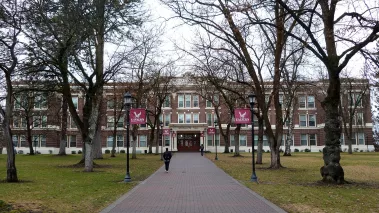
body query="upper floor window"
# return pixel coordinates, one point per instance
(355, 99)
(181, 118)
(167, 119)
(195, 101)
(188, 118)
(209, 119)
(40, 101)
(311, 120)
(359, 118)
(311, 102)
(303, 120)
(214, 99)
(307, 120)
(180, 100)
(75, 102)
(166, 102)
(188, 100)
(196, 118)
(71, 123)
(110, 104)
(40, 121)
(302, 101)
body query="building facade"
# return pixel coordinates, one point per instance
(186, 116)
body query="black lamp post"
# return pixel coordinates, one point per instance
(161, 136)
(215, 123)
(127, 102)
(254, 177)
(172, 138)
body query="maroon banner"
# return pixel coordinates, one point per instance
(137, 116)
(211, 131)
(166, 132)
(242, 116)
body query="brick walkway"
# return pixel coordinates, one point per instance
(193, 185)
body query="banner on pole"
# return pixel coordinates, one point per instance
(242, 116)
(166, 131)
(211, 131)
(137, 116)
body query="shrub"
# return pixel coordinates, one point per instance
(122, 151)
(356, 149)
(307, 150)
(38, 152)
(73, 152)
(268, 151)
(80, 152)
(361, 150)
(20, 152)
(281, 150)
(107, 151)
(296, 150)
(50, 152)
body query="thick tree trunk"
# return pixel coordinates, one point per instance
(275, 154)
(62, 145)
(157, 142)
(226, 139)
(97, 151)
(11, 160)
(287, 151)
(332, 171)
(88, 163)
(134, 148)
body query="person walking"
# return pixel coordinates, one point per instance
(167, 157)
(202, 149)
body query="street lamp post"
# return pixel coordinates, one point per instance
(127, 102)
(161, 136)
(205, 145)
(214, 136)
(254, 177)
(172, 139)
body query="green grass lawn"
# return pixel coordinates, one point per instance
(297, 188)
(50, 183)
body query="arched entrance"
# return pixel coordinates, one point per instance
(188, 142)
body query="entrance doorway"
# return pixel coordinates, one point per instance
(188, 142)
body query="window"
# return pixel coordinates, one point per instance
(40, 121)
(180, 100)
(119, 140)
(167, 119)
(142, 141)
(312, 140)
(303, 120)
(284, 140)
(16, 122)
(342, 139)
(167, 140)
(110, 121)
(39, 140)
(23, 141)
(208, 103)
(195, 101)
(303, 140)
(36, 121)
(243, 140)
(196, 118)
(209, 140)
(109, 141)
(110, 104)
(301, 101)
(209, 119)
(70, 123)
(281, 99)
(167, 102)
(75, 101)
(188, 118)
(355, 99)
(354, 139)
(232, 143)
(312, 120)
(181, 118)
(215, 99)
(40, 101)
(120, 122)
(255, 120)
(265, 140)
(361, 138)
(311, 102)
(188, 100)
(71, 140)
(15, 140)
(359, 118)
(217, 139)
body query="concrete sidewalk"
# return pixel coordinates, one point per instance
(193, 185)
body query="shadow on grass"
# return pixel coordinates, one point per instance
(349, 185)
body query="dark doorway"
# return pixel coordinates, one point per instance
(188, 142)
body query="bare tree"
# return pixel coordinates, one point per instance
(10, 23)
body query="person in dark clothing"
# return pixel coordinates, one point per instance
(167, 157)
(202, 149)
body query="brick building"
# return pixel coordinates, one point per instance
(187, 116)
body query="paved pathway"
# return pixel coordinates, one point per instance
(193, 185)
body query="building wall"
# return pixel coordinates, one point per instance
(52, 132)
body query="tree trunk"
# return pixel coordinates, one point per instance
(88, 163)
(350, 138)
(289, 141)
(62, 145)
(97, 151)
(151, 139)
(11, 160)
(157, 142)
(237, 139)
(275, 154)
(260, 141)
(227, 138)
(29, 134)
(332, 171)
